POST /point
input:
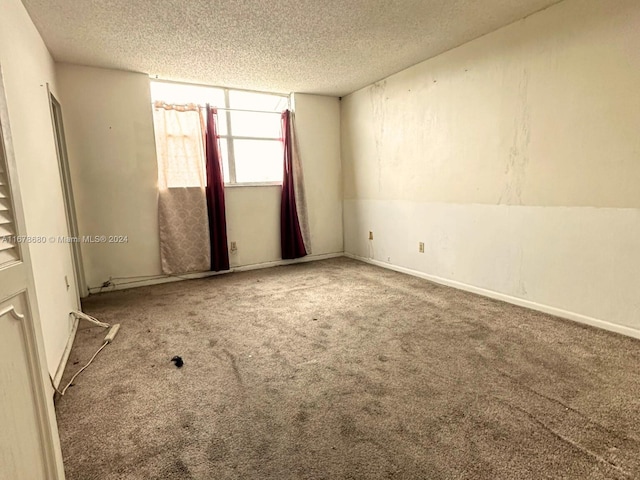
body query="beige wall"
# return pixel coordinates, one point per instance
(542, 112)
(318, 128)
(111, 145)
(515, 159)
(27, 68)
(109, 126)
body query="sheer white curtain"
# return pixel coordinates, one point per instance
(182, 203)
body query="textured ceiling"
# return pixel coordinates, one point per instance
(328, 47)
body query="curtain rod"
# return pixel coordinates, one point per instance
(275, 112)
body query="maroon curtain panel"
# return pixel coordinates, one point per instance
(290, 234)
(215, 195)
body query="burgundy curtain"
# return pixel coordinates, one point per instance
(291, 239)
(215, 195)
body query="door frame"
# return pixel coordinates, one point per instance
(67, 194)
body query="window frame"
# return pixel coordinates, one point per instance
(229, 137)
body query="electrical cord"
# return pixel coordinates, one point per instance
(143, 278)
(108, 339)
(83, 316)
(64, 390)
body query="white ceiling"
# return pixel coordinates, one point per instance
(328, 47)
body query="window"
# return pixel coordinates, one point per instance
(248, 128)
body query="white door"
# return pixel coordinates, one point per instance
(29, 443)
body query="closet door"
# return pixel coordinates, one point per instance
(29, 443)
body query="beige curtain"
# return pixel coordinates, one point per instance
(182, 203)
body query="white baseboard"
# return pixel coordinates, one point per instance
(278, 263)
(558, 312)
(241, 268)
(65, 354)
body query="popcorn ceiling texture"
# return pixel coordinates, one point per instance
(331, 47)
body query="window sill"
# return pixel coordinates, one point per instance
(253, 184)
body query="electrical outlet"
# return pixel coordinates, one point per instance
(421, 247)
(234, 247)
(370, 235)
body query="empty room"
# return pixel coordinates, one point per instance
(356, 239)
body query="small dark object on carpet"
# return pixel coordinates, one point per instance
(420, 381)
(178, 361)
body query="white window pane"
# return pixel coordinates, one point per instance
(181, 94)
(224, 153)
(250, 124)
(257, 101)
(222, 123)
(258, 160)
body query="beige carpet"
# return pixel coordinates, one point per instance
(341, 370)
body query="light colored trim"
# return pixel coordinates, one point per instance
(241, 268)
(308, 258)
(231, 154)
(67, 351)
(57, 123)
(12, 310)
(254, 184)
(245, 137)
(558, 312)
